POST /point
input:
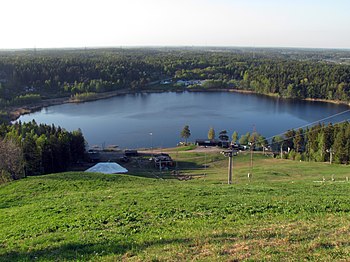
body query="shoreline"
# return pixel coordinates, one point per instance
(17, 111)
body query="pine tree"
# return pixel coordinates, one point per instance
(223, 135)
(299, 140)
(339, 147)
(32, 156)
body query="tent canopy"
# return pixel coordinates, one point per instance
(107, 168)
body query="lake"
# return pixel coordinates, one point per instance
(129, 120)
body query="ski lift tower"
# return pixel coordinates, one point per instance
(229, 154)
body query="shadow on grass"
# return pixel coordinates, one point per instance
(91, 251)
(78, 251)
(183, 167)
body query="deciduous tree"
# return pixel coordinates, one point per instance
(11, 160)
(211, 133)
(186, 133)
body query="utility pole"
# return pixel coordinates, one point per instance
(282, 151)
(251, 157)
(230, 169)
(205, 164)
(251, 151)
(151, 134)
(229, 154)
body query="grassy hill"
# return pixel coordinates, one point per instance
(281, 214)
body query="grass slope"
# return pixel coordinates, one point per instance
(280, 215)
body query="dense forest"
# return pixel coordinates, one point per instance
(29, 76)
(28, 149)
(318, 143)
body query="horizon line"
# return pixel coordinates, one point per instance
(171, 46)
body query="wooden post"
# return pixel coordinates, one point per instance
(281, 151)
(205, 164)
(230, 169)
(251, 158)
(160, 166)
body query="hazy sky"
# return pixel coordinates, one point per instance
(80, 23)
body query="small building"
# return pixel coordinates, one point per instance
(190, 82)
(130, 152)
(208, 142)
(212, 142)
(163, 160)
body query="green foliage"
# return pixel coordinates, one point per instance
(186, 148)
(26, 99)
(299, 74)
(235, 137)
(223, 135)
(276, 143)
(211, 133)
(45, 148)
(317, 143)
(11, 160)
(244, 140)
(214, 84)
(186, 133)
(84, 97)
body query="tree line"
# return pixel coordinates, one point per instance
(320, 143)
(28, 149)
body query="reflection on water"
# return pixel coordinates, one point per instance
(127, 120)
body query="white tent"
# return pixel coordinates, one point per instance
(107, 168)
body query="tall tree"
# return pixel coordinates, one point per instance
(32, 156)
(298, 140)
(11, 164)
(223, 135)
(77, 147)
(244, 140)
(276, 143)
(211, 133)
(289, 135)
(234, 137)
(339, 147)
(261, 141)
(186, 133)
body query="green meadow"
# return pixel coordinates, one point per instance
(284, 212)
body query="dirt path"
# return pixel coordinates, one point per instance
(199, 149)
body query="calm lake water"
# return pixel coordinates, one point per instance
(128, 120)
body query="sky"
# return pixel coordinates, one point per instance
(108, 23)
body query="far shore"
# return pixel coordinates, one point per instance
(16, 111)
